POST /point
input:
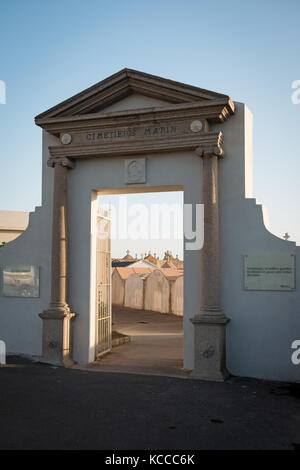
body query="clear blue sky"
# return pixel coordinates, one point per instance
(50, 50)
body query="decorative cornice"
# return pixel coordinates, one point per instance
(214, 111)
(206, 142)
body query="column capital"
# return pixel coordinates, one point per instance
(211, 148)
(63, 161)
(210, 152)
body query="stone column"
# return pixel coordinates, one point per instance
(210, 322)
(57, 318)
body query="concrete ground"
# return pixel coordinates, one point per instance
(156, 345)
(44, 407)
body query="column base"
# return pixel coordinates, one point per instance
(57, 337)
(210, 346)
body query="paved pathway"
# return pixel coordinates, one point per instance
(155, 347)
(43, 407)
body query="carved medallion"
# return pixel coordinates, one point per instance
(135, 170)
(208, 351)
(196, 126)
(66, 139)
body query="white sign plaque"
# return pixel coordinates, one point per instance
(20, 281)
(269, 271)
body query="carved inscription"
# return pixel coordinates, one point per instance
(131, 132)
(140, 133)
(269, 271)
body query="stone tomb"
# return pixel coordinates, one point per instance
(157, 292)
(193, 140)
(134, 291)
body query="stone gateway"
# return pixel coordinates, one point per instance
(189, 139)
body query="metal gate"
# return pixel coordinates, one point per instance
(103, 283)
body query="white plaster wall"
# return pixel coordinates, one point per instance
(263, 324)
(20, 325)
(134, 292)
(157, 292)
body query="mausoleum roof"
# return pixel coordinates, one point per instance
(93, 100)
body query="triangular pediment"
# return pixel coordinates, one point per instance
(124, 87)
(134, 101)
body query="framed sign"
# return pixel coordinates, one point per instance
(21, 281)
(269, 271)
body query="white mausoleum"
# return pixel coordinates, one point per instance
(135, 132)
